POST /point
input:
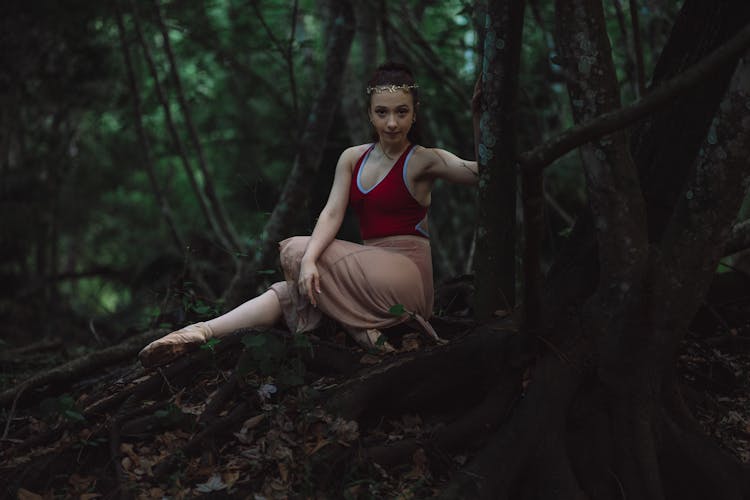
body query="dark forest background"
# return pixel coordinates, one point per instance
(86, 235)
(152, 153)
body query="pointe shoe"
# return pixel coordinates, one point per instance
(370, 339)
(174, 345)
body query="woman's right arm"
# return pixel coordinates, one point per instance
(327, 226)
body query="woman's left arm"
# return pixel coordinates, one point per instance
(442, 164)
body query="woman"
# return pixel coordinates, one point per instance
(388, 184)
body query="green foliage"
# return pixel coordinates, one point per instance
(209, 345)
(62, 406)
(83, 229)
(173, 414)
(273, 356)
(397, 310)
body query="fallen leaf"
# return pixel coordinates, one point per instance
(127, 449)
(81, 483)
(230, 477)
(283, 471)
(214, 483)
(311, 448)
(345, 430)
(156, 493)
(266, 391)
(24, 494)
(369, 359)
(410, 342)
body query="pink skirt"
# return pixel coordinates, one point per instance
(359, 283)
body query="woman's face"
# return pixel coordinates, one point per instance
(392, 114)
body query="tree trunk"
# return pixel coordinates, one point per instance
(604, 389)
(495, 263)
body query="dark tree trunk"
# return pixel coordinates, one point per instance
(496, 236)
(620, 297)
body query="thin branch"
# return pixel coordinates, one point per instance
(148, 163)
(739, 239)
(637, 48)
(559, 210)
(215, 204)
(630, 64)
(546, 153)
(177, 142)
(431, 61)
(286, 51)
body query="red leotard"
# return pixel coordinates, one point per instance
(388, 208)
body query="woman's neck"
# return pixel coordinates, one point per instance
(392, 150)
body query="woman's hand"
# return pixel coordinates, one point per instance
(309, 281)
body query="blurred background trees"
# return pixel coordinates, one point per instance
(134, 190)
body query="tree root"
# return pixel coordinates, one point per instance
(472, 425)
(423, 380)
(694, 467)
(76, 368)
(493, 471)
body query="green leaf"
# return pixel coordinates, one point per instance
(202, 309)
(266, 271)
(66, 401)
(74, 415)
(210, 343)
(397, 310)
(301, 341)
(274, 346)
(253, 341)
(161, 413)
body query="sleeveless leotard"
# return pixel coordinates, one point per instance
(388, 208)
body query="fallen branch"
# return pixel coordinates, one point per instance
(80, 366)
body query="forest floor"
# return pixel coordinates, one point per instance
(252, 425)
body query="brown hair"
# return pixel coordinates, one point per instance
(393, 73)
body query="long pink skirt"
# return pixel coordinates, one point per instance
(359, 283)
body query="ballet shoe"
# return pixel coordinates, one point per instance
(174, 345)
(370, 339)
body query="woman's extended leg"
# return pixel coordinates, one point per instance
(262, 311)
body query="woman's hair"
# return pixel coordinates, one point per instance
(393, 73)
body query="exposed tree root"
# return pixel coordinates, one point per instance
(494, 470)
(568, 436)
(72, 370)
(470, 427)
(424, 379)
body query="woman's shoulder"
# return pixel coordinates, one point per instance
(354, 152)
(422, 156)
